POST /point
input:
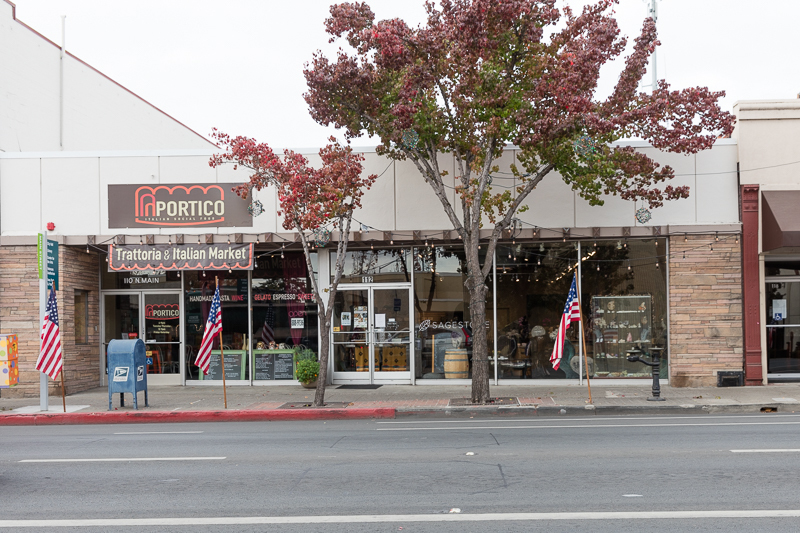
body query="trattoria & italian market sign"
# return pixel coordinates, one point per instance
(129, 257)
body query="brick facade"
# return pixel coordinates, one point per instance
(705, 299)
(19, 314)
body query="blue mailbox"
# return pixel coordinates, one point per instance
(127, 370)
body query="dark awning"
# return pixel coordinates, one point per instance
(780, 219)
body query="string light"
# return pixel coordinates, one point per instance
(656, 265)
(140, 240)
(198, 239)
(229, 239)
(737, 239)
(87, 248)
(716, 236)
(170, 240)
(257, 241)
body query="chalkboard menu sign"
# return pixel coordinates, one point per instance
(273, 364)
(234, 365)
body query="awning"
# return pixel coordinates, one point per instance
(780, 219)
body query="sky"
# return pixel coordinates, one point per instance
(236, 65)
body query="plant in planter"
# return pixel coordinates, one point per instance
(307, 372)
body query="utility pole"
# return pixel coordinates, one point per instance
(652, 10)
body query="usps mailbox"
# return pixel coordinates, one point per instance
(127, 370)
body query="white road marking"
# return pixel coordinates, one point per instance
(591, 426)
(777, 450)
(122, 459)
(373, 519)
(631, 495)
(593, 418)
(155, 432)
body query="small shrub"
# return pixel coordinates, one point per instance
(307, 370)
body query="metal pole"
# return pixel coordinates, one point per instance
(222, 353)
(43, 400)
(494, 313)
(581, 346)
(654, 16)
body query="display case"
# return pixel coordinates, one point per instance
(619, 324)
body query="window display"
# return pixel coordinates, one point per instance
(620, 324)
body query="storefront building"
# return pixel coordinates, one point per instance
(133, 215)
(767, 133)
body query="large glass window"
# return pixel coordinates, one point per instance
(443, 326)
(284, 313)
(200, 287)
(532, 285)
(624, 301)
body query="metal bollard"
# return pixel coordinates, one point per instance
(655, 364)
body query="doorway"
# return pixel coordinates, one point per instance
(154, 317)
(371, 335)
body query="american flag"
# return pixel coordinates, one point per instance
(267, 331)
(49, 360)
(572, 311)
(213, 327)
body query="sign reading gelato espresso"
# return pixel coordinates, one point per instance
(134, 257)
(192, 204)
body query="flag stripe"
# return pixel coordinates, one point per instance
(572, 312)
(213, 327)
(50, 360)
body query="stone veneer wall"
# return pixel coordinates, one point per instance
(19, 314)
(705, 299)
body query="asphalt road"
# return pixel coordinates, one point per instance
(701, 473)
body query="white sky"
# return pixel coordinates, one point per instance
(237, 65)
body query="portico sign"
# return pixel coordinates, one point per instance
(184, 205)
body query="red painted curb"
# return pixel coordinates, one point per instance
(151, 417)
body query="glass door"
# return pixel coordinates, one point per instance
(783, 328)
(121, 318)
(162, 319)
(371, 335)
(391, 333)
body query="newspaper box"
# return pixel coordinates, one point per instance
(127, 370)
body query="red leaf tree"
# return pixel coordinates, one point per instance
(481, 74)
(310, 199)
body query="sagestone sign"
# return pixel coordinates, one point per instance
(129, 257)
(184, 205)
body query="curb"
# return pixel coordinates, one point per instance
(154, 417)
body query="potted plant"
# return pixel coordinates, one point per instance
(307, 371)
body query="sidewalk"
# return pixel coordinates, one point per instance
(291, 402)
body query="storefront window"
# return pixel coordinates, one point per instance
(624, 301)
(284, 314)
(200, 287)
(532, 285)
(374, 266)
(443, 327)
(141, 279)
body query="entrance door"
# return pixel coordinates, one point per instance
(371, 336)
(154, 318)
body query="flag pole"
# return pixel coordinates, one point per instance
(63, 387)
(222, 355)
(583, 334)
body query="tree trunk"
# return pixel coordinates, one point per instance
(324, 351)
(477, 307)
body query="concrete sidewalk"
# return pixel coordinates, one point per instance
(291, 402)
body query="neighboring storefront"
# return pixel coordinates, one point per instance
(769, 156)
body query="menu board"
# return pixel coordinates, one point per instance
(273, 364)
(234, 365)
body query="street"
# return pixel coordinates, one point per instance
(729, 473)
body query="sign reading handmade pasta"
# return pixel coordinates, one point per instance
(130, 257)
(191, 204)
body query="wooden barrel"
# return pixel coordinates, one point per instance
(456, 364)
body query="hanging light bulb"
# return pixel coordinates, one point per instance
(737, 239)
(509, 255)
(282, 247)
(426, 243)
(229, 239)
(391, 241)
(595, 244)
(87, 248)
(371, 246)
(598, 267)
(517, 278)
(685, 238)
(539, 261)
(656, 265)
(204, 273)
(684, 254)
(629, 266)
(257, 241)
(230, 271)
(198, 239)
(716, 236)
(170, 240)
(140, 240)
(513, 241)
(526, 258)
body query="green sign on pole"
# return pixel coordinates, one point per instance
(52, 264)
(40, 255)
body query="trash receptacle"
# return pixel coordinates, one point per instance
(127, 370)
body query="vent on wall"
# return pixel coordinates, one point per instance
(730, 379)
